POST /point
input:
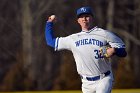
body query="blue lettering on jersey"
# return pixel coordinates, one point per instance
(88, 41)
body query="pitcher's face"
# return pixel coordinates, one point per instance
(85, 20)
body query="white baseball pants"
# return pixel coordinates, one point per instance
(103, 85)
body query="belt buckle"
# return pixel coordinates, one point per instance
(102, 76)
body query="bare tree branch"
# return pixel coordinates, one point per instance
(26, 33)
(110, 14)
(42, 8)
(127, 35)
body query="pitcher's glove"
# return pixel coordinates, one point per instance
(103, 51)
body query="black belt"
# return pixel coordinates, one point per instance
(97, 77)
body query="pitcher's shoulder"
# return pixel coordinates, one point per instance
(98, 30)
(76, 34)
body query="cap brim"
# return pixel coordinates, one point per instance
(84, 13)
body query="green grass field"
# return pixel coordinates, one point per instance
(114, 91)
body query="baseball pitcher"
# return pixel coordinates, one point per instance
(91, 48)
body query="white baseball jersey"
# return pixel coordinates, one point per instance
(85, 47)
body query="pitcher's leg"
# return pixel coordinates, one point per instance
(105, 85)
(88, 86)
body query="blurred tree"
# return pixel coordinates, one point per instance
(136, 32)
(123, 23)
(10, 36)
(26, 23)
(33, 54)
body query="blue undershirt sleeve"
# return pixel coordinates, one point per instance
(120, 52)
(50, 39)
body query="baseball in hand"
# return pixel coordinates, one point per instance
(52, 17)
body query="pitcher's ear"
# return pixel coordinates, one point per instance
(78, 21)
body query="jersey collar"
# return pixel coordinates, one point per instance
(89, 30)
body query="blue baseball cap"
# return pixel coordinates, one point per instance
(84, 10)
